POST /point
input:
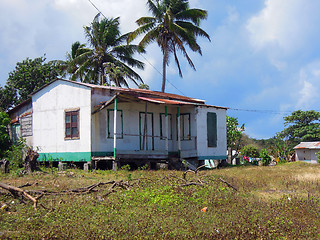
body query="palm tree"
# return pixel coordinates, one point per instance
(109, 53)
(69, 67)
(172, 26)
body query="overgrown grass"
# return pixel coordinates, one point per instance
(281, 202)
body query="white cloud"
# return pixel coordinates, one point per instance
(84, 11)
(285, 25)
(308, 96)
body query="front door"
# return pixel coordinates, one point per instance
(146, 131)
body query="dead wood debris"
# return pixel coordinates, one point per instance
(98, 187)
(228, 184)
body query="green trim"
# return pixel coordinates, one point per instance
(101, 154)
(212, 157)
(66, 156)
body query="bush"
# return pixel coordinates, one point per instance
(17, 154)
(318, 157)
(250, 151)
(265, 158)
(5, 142)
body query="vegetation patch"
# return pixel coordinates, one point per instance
(280, 202)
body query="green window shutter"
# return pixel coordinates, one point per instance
(212, 129)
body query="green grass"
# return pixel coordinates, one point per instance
(281, 202)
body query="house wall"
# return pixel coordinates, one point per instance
(17, 117)
(205, 152)
(307, 155)
(49, 105)
(102, 145)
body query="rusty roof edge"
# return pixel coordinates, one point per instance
(25, 102)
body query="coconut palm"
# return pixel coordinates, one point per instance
(69, 67)
(106, 53)
(173, 25)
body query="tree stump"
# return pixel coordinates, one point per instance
(30, 162)
(4, 166)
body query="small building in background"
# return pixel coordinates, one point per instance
(307, 152)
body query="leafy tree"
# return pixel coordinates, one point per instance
(173, 25)
(109, 58)
(234, 133)
(250, 151)
(28, 76)
(282, 148)
(144, 86)
(302, 126)
(4, 133)
(7, 97)
(265, 157)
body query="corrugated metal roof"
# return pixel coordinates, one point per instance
(143, 94)
(308, 145)
(166, 101)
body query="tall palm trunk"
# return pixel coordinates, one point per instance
(164, 68)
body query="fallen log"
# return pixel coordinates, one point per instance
(228, 184)
(15, 192)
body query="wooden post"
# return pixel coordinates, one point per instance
(229, 160)
(145, 129)
(167, 129)
(179, 131)
(115, 135)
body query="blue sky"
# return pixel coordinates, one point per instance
(264, 57)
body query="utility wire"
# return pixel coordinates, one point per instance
(97, 8)
(140, 53)
(162, 75)
(264, 111)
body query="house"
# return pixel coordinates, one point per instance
(80, 122)
(307, 151)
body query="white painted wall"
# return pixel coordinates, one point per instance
(131, 140)
(307, 154)
(202, 141)
(49, 105)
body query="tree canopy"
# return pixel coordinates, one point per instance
(234, 133)
(4, 133)
(172, 25)
(108, 59)
(28, 76)
(302, 126)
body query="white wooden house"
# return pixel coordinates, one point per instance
(72, 121)
(307, 151)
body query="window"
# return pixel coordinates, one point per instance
(185, 126)
(146, 131)
(119, 123)
(212, 129)
(163, 126)
(15, 132)
(72, 124)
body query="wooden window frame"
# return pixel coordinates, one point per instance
(212, 131)
(108, 122)
(140, 129)
(163, 137)
(183, 136)
(74, 112)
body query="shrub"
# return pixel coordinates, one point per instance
(17, 154)
(250, 151)
(265, 158)
(4, 133)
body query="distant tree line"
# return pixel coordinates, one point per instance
(300, 126)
